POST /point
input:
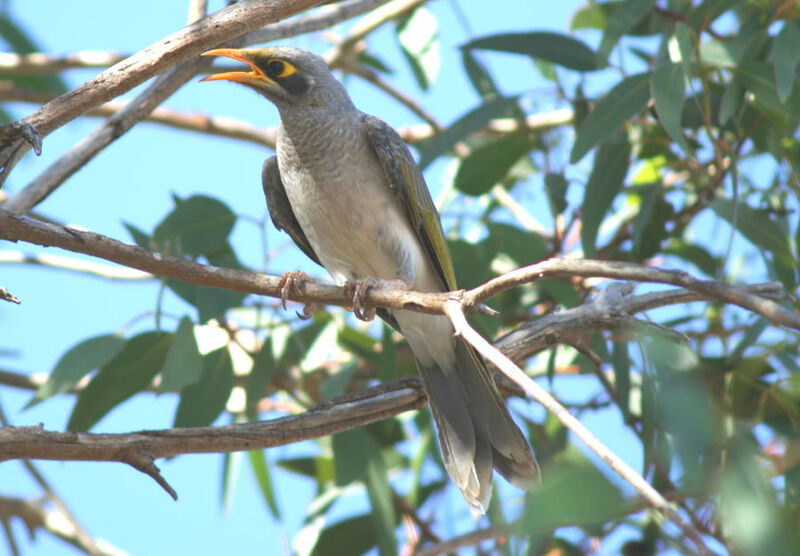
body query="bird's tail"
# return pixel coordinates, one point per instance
(476, 432)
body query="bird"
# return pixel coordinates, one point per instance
(345, 187)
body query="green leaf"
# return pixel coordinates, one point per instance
(574, 494)
(605, 181)
(255, 387)
(590, 16)
(685, 43)
(258, 462)
(199, 225)
(555, 185)
(489, 164)
(76, 363)
(522, 246)
(755, 225)
(760, 80)
(335, 384)
(417, 35)
(650, 225)
(202, 402)
(388, 365)
(622, 377)
(139, 237)
(357, 457)
(707, 11)
(625, 16)
(626, 99)
(694, 254)
(786, 56)
(19, 41)
(668, 85)
(552, 47)
(354, 535)
(478, 75)
(747, 506)
(184, 362)
(128, 372)
(472, 121)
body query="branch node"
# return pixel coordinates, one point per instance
(6, 295)
(144, 463)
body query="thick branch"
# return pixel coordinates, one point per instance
(354, 410)
(16, 228)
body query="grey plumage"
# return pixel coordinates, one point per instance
(345, 187)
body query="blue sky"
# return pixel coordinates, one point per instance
(132, 181)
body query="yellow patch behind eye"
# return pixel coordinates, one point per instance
(288, 69)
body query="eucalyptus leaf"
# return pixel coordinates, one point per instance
(128, 372)
(610, 167)
(552, 47)
(77, 362)
(626, 99)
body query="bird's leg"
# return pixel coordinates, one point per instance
(358, 289)
(293, 279)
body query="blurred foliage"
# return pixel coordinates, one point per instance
(683, 151)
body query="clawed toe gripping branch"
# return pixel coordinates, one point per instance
(611, 309)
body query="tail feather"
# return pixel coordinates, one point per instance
(476, 431)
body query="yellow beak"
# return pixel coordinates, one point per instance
(246, 77)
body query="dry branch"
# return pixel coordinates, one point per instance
(454, 311)
(16, 228)
(222, 26)
(140, 449)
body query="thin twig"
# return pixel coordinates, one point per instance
(455, 313)
(37, 517)
(71, 264)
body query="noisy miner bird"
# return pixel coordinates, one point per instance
(345, 187)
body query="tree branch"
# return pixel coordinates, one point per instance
(140, 449)
(224, 25)
(36, 516)
(15, 228)
(454, 311)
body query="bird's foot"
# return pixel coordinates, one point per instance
(358, 290)
(295, 279)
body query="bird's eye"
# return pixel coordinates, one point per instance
(279, 69)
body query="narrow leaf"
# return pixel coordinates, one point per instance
(555, 185)
(417, 35)
(467, 124)
(786, 55)
(667, 86)
(202, 402)
(184, 363)
(130, 371)
(478, 75)
(76, 363)
(489, 164)
(552, 47)
(755, 225)
(759, 78)
(258, 462)
(605, 181)
(625, 16)
(627, 98)
(622, 377)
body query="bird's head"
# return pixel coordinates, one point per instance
(288, 76)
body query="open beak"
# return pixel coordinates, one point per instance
(247, 77)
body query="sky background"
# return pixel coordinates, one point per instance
(133, 181)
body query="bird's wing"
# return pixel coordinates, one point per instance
(280, 210)
(408, 186)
